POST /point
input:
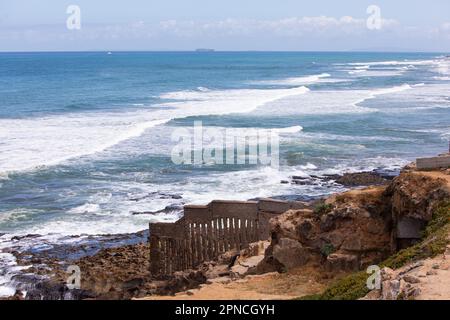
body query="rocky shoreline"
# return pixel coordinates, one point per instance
(322, 238)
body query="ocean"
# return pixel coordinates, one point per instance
(85, 138)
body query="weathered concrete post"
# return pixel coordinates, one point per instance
(155, 254)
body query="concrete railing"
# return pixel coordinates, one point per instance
(205, 232)
(433, 163)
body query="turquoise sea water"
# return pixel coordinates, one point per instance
(85, 138)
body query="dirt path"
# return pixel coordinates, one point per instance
(434, 278)
(269, 286)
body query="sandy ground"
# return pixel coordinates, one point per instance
(434, 275)
(434, 278)
(269, 286)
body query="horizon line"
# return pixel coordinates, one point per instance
(212, 51)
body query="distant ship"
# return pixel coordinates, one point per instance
(109, 52)
(204, 50)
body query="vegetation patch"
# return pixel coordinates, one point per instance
(327, 249)
(322, 209)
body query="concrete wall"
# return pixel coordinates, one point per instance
(205, 232)
(234, 209)
(433, 163)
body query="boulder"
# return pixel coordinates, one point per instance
(341, 262)
(290, 253)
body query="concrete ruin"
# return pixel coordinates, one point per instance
(206, 232)
(433, 162)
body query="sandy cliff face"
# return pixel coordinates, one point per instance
(353, 230)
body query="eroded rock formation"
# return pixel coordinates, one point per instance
(353, 230)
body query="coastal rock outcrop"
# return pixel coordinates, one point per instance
(352, 230)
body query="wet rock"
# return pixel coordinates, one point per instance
(360, 179)
(157, 195)
(49, 290)
(25, 237)
(299, 178)
(301, 182)
(329, 177)
(388, 174)
(168, 209)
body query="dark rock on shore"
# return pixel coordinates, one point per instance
(25, 237)
(376, 177)
(47, 264)
(174, 208)
(361, 179)
(158, 195)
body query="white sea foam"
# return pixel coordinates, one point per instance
(296, 81)
(395, 89)
(8, 269)
(35, 142)
(442, 78)
(226, 101)
(32, 143)
(376, 73)
(6, 261)
(331, 102)
(386, 91)
(367, 164)
(308, 166)
(86, 208)
(293, 129)
(391, 63)
(442, 67)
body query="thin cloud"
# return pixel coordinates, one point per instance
(304, 33)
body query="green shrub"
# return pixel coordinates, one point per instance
(322, 209)
(327, 249)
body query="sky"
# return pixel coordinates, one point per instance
(234, 25)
